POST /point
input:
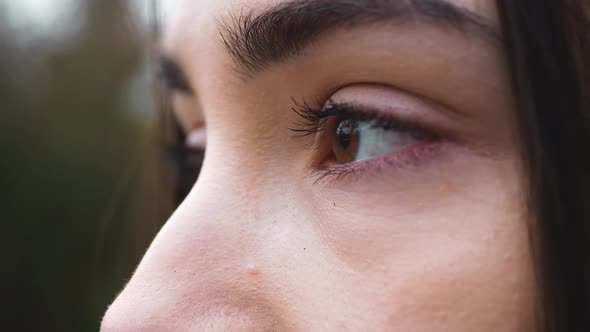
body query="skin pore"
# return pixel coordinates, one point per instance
(426, 232)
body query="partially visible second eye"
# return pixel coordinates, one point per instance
(357, 140)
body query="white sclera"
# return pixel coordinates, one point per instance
(375, 141)
(197, 138)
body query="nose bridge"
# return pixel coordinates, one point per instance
(200, 254)
(212, 228)
(220, 215)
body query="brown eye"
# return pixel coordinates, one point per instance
(345, 141)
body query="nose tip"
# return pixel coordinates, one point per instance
(205, 271)
(154, 307)
(126, 315)
(241, 312)
(196, 290)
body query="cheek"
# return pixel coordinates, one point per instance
(466, 282)
(451, 255)
(460, 291)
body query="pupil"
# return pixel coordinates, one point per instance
(344, 133)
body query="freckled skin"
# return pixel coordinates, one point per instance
(252, 271)
(258, 245)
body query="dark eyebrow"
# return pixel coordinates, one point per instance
(172, 75)
(256, 42)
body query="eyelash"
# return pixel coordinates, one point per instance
(315, 120)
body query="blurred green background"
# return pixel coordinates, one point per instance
(83, 187)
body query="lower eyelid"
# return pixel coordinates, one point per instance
(409, 159)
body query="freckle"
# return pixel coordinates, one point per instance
(252, 271)
(303, 248)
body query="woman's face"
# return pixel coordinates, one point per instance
(362, 173)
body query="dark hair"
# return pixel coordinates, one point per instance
(548, 50)
(547, 45)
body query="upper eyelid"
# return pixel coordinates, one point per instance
(320, 114)
(317, 121)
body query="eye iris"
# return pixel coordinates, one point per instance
(344, 133)
(346, 141)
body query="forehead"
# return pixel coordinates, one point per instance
(195, 22)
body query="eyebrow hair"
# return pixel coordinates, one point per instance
(256, 42)
(170, 72)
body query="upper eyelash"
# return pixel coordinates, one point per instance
(312, 120)
(315, 119)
